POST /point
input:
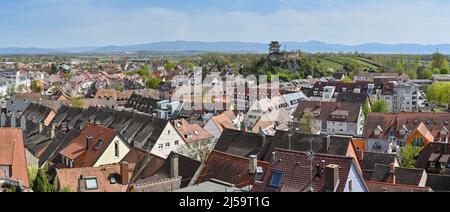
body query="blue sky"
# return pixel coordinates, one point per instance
(68, 23)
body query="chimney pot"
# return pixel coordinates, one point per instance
(331, 177)
(41, 127)
(274, 158)
(52, 132)
(253, 164)
(174, 166)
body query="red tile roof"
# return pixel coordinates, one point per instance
(191, 132)
(12, 153)
(77, 150)
(296, 167)
(229, 168)
(389, 187)
(69, 178)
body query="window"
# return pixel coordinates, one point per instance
(418, 141)
(99, 143)
(432, 164)
(167, 145)
(161, 146)
(116, 149)
(113, 180)
(276, 179)
(168, 132)
(177, 143)
(350, 186)
(91, 184)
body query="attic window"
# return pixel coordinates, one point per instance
(445, 122)
(196, 132)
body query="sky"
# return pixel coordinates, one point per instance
(74, 23)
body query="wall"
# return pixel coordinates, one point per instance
(384, 145)
(167, 137)
(357, 181)
(109, 157)
(212, 129)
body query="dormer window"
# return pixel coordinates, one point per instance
(378, 131)
(402, 132)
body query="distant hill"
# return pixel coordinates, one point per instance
(196, 46)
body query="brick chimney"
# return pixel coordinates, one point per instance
(174, 166)
(392, 172)
(331, 177)
(124, 173)
(81, 184)
(88, 142)
(252, 164)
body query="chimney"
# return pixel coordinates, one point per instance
(124, 173)
(331, 177)
(81, 184)
(338, 105)
(52, 132)
(326, 143)
(23, 123)
(274, 157)
(252, 164)
(3, 120)
(88, 142)
(392, 172)
(41, 127)
(13, 121)
(174, 163)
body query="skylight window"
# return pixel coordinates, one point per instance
(113, 180)
(276, 179)
(99, 143)
(91, 184)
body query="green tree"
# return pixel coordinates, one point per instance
(408, 155)
(347, 79)
(274, 47)
(77, 102)
(380, 106)
(444, 71)
(306, 123)
(439, 93)
(427, 74)
(366, 109)
(68, 75)
(54, 69)
(144, 72)
(412, 74)
(153, 83)
(438, 61)
(41, 184)
(35, 86)
(169, 66)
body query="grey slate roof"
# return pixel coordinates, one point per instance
(242, 144)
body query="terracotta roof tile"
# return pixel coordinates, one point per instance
(77, 150)
(191, 132)
(12, 153)
(229, 168)
(70, 177)
(296, 168)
